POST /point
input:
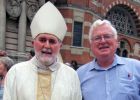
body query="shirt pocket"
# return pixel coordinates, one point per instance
(126, 82)
(127, 88)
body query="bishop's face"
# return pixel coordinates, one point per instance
(46, 47)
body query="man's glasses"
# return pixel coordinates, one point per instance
(105, 37)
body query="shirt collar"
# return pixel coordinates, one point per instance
(41, 67)
(117, 61)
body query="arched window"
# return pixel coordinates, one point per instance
(118, 52)
(125, 53)
(123, 49)
(122, 20)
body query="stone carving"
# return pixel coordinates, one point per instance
(32, 7)
(14, 8)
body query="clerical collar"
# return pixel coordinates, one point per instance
(42, 67)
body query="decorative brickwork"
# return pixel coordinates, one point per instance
(83, 11)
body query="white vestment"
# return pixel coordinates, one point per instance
(21, 82)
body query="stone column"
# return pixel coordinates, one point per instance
(22, 29)
(2, 23)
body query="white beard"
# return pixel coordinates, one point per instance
(45, 60)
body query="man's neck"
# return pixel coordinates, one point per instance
(105, 62)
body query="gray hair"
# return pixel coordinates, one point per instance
(101, 22)
(8, 62)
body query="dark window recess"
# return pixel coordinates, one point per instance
(122, 44)
(77, 34)
(118, 51)
(125, 53)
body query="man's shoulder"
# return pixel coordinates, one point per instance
(85, 68)
(67, 71)
(129, 63)
(21, 65)
(66, 68)
(129, 60)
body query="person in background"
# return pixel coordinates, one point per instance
(43, 77)
(2, 53)
(108, 76)
(31, 53)
(5, 64)
(74, 65)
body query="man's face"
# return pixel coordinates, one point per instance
(103, 43)
(2, 69)
(2, 53)
(46, 48)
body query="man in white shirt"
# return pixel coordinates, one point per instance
(44, 77)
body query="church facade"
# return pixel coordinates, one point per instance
(16, 16)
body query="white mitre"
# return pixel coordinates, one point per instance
(48, 20)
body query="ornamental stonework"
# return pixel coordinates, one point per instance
(14, 8)
(32, 7)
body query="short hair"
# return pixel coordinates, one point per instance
(101, 22)
(7, 61)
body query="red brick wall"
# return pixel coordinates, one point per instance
(67, 40)
(88, 17)
(69, 26)
(105, 6)
(67, 13)
(82, 3)
(81, 59)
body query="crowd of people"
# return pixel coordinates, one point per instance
(5, 64)
(107, 77)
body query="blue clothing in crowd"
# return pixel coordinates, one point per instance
(120, 81)
(1, 92)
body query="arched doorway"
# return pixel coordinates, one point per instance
(123, 49)
(124, 53)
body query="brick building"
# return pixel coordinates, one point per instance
(16, 15)
(79, 15)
